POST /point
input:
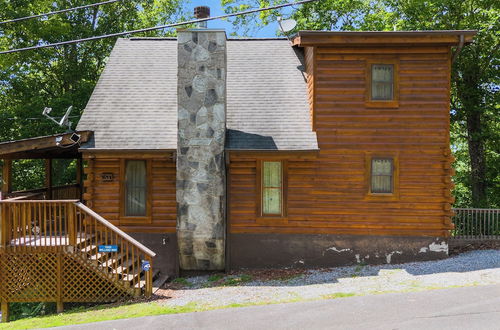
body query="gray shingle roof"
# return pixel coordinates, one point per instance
(134, 105)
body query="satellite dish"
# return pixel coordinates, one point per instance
(287, 25)
(64, 120)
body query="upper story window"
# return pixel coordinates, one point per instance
(382, 176)
(382, 80)
(136, 188)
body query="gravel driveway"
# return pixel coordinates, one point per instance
(261, 287)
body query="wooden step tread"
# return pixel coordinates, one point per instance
(142, 282)
(158, 283)
(111, 262)
(97, 256)
(131, 276)
(123, 267)
(80, 240)
(89, 248)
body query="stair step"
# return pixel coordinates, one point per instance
(89, 248)
(156, 272)
(97, 256)
(142, 282)
(140, 285)
(111, 262)
(131, 276)
(158, 283)
(81, 240)
(123, 267)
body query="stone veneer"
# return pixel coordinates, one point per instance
(201, 97)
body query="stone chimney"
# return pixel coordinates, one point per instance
(201, 187)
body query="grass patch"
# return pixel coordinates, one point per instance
(215, 277)
(100, 313)
(181, 281)
(126, 311)
(236, 280)
(338, 295)
(358, 268)
(82, 315)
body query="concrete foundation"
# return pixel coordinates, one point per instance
(310, 250)
(165, 247)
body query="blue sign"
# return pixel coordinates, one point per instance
(108, 248)
(146, 266)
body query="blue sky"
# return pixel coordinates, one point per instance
(216, 10)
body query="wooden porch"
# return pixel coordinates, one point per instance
(53, 248)
(52, 251)
(48, 148)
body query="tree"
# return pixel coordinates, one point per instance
(475, 83)
(62, 76)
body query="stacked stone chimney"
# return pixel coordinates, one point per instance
(201, 185)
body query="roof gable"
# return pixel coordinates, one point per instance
(134, 104)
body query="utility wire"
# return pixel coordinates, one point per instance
(159, 27)
(58, 11)
(34, 118)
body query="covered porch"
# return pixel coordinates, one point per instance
(48, 149)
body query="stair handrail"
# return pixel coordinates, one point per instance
(115, 229)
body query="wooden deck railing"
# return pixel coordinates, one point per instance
(49, 251)
(476, 224)
(35, 223)
(64, 192)
(127, 262)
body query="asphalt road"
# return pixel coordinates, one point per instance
(458, 308)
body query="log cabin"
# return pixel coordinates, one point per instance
(331, 148)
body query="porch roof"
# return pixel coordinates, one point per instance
(43, 147)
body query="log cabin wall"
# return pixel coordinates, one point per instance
(329, 195)
(104, 173)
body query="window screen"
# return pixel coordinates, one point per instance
(135, 188)
(382, 82)
(272, 188)
(381, 175)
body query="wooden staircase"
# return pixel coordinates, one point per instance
(63, 251)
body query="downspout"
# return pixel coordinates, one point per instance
(459, 48)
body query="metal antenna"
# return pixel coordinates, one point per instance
(286, 25)
(64, 120)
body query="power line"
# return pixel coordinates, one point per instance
(159, 27)
(33, 118)
(58, 12)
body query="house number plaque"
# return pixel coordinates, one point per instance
(107, 177)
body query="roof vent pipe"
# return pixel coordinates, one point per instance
(202, 12)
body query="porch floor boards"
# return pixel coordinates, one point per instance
(46, 240)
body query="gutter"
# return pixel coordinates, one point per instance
(459, 48)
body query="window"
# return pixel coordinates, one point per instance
(272, 188)
(382, 82)
(136, 189)
(382, 79)
(382, 170)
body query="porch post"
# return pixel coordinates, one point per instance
(79, 176)
(48, 177)
(6, 177)
(5, 311)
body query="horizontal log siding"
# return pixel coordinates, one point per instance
(329, 194)
(104, 197)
